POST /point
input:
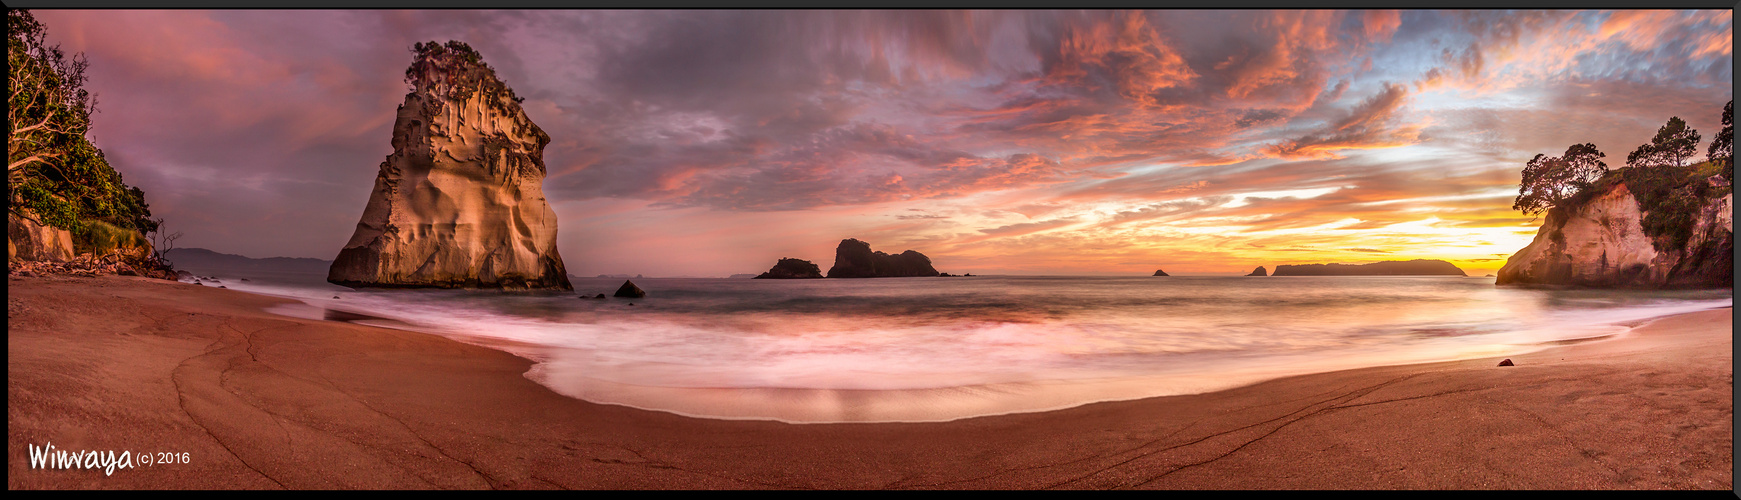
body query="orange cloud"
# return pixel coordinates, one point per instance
(1128, 51)
(1367, 126)
(1381, 24)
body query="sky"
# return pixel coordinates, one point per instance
(709, 143)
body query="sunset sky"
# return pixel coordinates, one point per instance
(706, 143)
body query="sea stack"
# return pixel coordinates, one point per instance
(1159, 272)
(789, 268)
(460, 202)
(629, 290)
(1258, 272)
(854, 259)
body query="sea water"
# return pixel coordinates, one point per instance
(935, 349)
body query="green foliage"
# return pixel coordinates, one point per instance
(54, 173)
(1722, 150)
(1670, 197)
(1548, 181)
(100, 238)
(1673, 145)
(455, 71)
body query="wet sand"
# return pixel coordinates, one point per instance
(258, 400)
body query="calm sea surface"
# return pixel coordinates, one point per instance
(931, 349)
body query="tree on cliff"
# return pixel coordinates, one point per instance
(1723, 145)
(54, 174)
(1673, 145)
(1549, 180)
(454, 70)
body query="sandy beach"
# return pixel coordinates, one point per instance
(257, 400)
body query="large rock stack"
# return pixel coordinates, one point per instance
(460, 202)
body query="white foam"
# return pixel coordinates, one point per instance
(821, 368)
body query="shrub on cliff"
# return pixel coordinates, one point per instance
(1670, 197)
(454, 70)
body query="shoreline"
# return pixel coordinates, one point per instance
(261, 400)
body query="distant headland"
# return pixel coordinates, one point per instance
(1417, 267)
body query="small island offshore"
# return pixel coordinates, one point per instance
(347, 276)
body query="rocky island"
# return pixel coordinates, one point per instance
(792, 269)
(1417, 267)
(460, 202)
(1258, 272)
(1159, 272)
(854, 259)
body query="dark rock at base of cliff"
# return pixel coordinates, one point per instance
(1159, 272)
(854, 259)
(789, 268)
(1417, 267)
(629, 290)
(1258, 272)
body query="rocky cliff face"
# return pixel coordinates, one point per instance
(460, 202)
(1602, 243)
(854, 259)
(27, 240)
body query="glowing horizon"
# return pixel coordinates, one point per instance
(1007, 142)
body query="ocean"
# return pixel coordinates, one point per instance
(937, 349)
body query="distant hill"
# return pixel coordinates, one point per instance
(1417, 267)
(200, 259)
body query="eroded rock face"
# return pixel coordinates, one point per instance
(789, 268)
(27, 240)
(460, 202)
(854, 259)
(1602, 243)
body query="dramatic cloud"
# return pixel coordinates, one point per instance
(993, 141)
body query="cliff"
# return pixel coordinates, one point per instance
(1417, 267)
(26, 240)
(791, 269)
(460, 202)
(1682, 238)
(854, 259)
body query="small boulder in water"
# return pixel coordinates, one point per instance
(1507, 362)
(630, 290)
